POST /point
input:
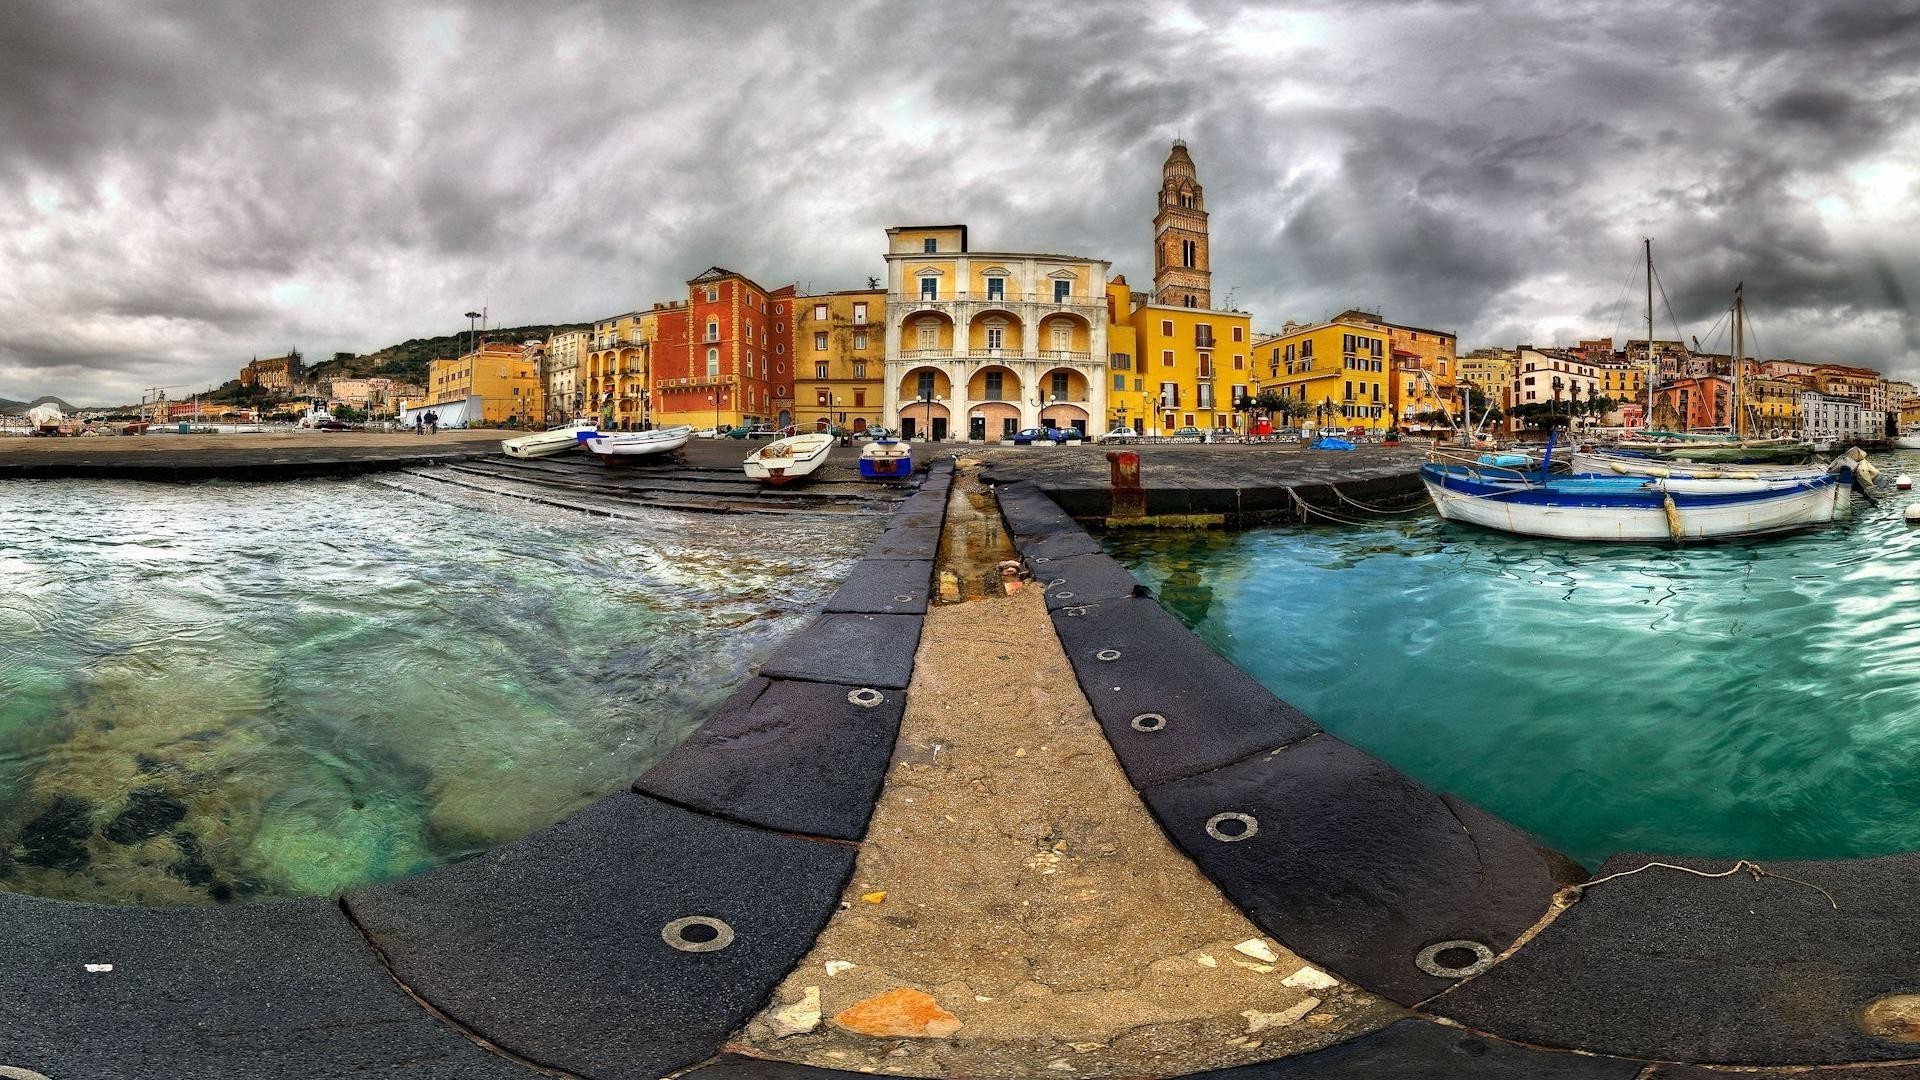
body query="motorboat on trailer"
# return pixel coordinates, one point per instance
(615, 446)
(544, 443)
(886, 459)
(786, 460)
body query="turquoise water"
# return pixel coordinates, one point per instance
(234, 692)
(1757, 699)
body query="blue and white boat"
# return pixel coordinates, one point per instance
(1532, 502)
(886, 459)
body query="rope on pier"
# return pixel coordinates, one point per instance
(1308, 508)
(1343, 497)
(1752, 868)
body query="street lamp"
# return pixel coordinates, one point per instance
(472, 316)
(1557, 384)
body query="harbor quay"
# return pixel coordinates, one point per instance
(990, 810)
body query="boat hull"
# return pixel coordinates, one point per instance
(785, 460)
(886, 461)
(543, 444)
(629, 445)
(1619, 509)
(1610, 464)
(1751, 453)
(1907, 442)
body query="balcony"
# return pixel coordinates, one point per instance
(1034, 299)
(927, 354)
(696, 381)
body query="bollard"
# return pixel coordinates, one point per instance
(1129, 499)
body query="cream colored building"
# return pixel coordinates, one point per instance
(565, 352)
(982, 344)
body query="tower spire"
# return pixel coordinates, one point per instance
(1180, 270)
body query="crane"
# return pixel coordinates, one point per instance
(154, 396)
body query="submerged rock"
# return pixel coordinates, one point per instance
(192, 866)
(57, 837)
(148, 813)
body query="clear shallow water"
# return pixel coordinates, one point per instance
(1754, 699)
(234, 692)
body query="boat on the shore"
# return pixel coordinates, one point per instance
(1723, 450)
(785, 460)
(1909, 438)
(618, 445)
(542, 444)
(886, 459)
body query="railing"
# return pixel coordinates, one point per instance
(926, 354)
(696, 380)
(1072, 300)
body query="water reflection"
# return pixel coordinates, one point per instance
(1744, 699)
(229, 692)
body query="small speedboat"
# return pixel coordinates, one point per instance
(785, 460)
(886, 459)
(623, 445)
(542, 444)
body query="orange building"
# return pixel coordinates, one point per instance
(1705, 402)
(713, 361)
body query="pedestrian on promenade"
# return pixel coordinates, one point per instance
(433, 423)
(419, 423)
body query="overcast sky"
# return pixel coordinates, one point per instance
(186, 185)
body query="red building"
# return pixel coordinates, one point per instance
(713, 360)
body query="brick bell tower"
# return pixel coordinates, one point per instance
(1180, 274)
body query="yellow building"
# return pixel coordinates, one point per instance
(1192, 365)
(1126, 388)
(1423, 362)
(612, 379)
(840, 356)
(1622, 381)
(506, 383)
(1771, 405)
(1337, 370)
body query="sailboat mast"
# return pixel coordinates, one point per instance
(1739, 346)
(1651, 371)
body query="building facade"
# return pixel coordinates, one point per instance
(1336, 370)
(497, 373)
(566, 397)
(614, 378)
(1126, 377)
(982, 344)
(712, 358)
(1537, 371)
(839, 356)
(278, 374)
(1193, 362)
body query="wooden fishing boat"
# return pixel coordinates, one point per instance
(785, 460)
(886, 459)
(617, 446)
(542, 444)
(1607, 463)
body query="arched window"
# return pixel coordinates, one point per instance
(713, 363)
(713, 329)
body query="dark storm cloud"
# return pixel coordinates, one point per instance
(185, 185)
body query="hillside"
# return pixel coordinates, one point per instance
(8, 405)
(408, 360)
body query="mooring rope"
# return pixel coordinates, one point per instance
(1752, 868)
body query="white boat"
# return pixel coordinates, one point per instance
(786, 460)
(1909, 437)
(543, 444)
(885, 459)
(1602, 463)
(1635, 508)
(617, 445)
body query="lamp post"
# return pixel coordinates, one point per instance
(471, 317)
(1557, 384)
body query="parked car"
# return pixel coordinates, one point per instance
(1189, 434)
(755, 431)
(1225, 434)
(712, 432)
(873, 432)
(1029, 436)
(1119, 435)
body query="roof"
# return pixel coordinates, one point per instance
(1373, 316)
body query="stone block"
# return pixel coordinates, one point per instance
(858, 650)
(797, 757)
(885, 587)
(625, 942)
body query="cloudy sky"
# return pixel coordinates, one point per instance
(184, 185)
